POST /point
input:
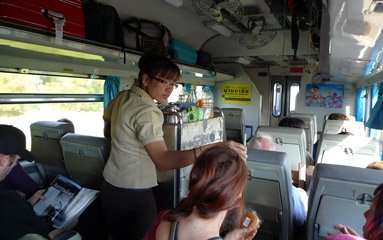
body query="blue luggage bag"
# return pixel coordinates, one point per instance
(182, 52)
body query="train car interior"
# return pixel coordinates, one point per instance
(245, 65)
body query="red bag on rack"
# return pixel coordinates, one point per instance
(60, 16)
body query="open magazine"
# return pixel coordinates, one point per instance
(64, 201)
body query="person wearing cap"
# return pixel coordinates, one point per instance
(17, 217)
(17, 179)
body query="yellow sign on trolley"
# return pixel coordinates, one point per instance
(236, 93)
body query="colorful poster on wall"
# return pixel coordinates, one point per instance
(236, 93)
(324, 95)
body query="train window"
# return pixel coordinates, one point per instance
(277, 99)
(376, 91)
(294, 90)
(184, 88)
(174, 96)
(27, 98)
(360, 104)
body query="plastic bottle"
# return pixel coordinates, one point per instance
(207, 100)
(183, 96)
(192, 95)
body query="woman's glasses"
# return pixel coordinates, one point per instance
(164, 81)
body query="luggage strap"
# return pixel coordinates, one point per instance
(58, 20)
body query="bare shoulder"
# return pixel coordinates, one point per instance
(163, 230)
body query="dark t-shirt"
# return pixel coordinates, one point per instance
(18, 179)
(17, 217)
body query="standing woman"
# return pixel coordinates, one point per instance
(138, 148)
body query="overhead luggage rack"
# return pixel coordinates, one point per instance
(22, 49)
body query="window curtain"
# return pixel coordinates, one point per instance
(376, 117)
(360, 104)
(111, 89)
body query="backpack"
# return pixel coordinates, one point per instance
(102, 23)
(145, 35)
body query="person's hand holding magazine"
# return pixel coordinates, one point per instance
(63, 201)
(37, 196)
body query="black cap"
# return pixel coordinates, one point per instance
(12, 141)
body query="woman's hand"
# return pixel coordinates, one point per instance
(241, 234)
(238, 147)
(37, 196)
(345, 230)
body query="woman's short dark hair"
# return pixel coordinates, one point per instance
(155, 63)
(216, 183)
(292, 122)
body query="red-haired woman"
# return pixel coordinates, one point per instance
(373, 228)
(216, 186)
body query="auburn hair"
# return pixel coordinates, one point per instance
(373, 230)
(216, 183)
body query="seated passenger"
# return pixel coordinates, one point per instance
(372, 229)
(345, 133)
(296, 123)
(20, 181)
(216, 186)
(338, 116)
(292, 122)
(17, 217)
(299, 195)
(376, 165)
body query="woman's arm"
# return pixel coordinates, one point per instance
(165, 159)
(346, 230)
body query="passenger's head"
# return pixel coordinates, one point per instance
(373, 228)
(292, 122)
(12, 148)
(262, 143)
(158, 75)
(345, 133)
(376, 165)
(216, 184)
(338, 116)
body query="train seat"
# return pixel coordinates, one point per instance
(234, 124)
(337, 126)
(341, 148)
(339, 195)
(85, 158)
(33, 171)
(292, 141)
(309, 129)
(310, 123)
(46, 146)
(347, 158)
(269, 192)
